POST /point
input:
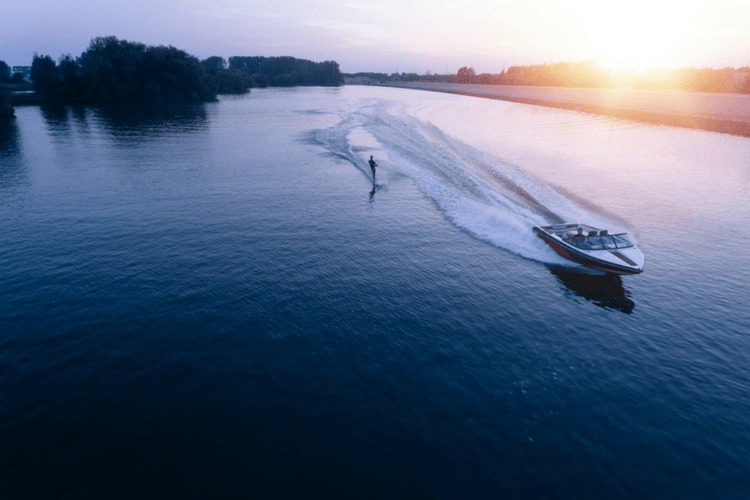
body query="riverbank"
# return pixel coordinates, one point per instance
(724, 113)
(20, 94)
(24, 98)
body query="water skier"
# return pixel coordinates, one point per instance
(372, 167)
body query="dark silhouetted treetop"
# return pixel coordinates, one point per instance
(117, 70)
(46, 77)
(113, 70)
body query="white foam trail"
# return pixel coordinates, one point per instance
(492, 200)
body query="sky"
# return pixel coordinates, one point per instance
(387, 36)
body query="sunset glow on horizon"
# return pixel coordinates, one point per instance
(400, 36)
(645, 35)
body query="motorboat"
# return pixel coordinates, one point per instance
(594, 247)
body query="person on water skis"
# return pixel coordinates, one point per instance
(372, 167)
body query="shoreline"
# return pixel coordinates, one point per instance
(723, 113)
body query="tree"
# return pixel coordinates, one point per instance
(233, 81)
(744, 86)
(46, 77)
(113, 70)
(120, 71)
(226, 80)
(6, 110)
(466, 75)
(214, 64)
(287, 71)
(4, 72)
(70, 76)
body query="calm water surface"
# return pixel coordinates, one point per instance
(217, 301)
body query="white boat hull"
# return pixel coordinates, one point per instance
(605, 255)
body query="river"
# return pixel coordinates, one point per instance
(216, 300)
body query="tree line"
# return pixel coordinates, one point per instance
(587, 74)
(113, 70)
(287, 71)
(383, 77)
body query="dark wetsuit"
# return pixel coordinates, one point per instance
(372, 167)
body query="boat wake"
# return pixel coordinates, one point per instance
(492, 200)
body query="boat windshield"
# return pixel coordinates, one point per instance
(622, 240)
(599, 242)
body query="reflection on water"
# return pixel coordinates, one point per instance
(151, 120)
(12, 169)
(55, 116)
(60, 117)
(9, 141)
(604, 290)
(127, 121)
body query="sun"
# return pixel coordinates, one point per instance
(636, 35)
